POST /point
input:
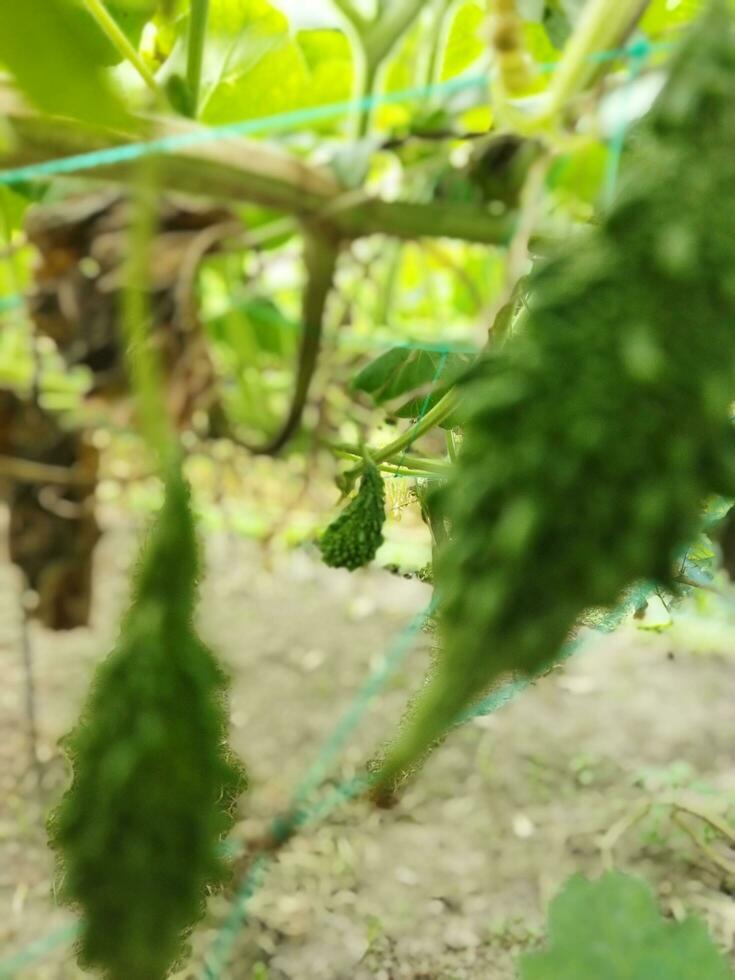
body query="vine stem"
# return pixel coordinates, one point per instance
(418, 464)
(110, 27)
(439, 35)
(372, 41)
(195, 57)
(143, 361)
(435, 416)
(602, 24)
(351, 14)
(387, 30)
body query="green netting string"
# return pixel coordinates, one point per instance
(37, 951)
(294, 119)
(299, 812)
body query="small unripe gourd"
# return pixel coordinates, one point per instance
(352, 540)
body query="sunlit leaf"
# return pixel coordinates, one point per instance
(465, 43)
(402, 370)
(55, 59)
(254, 67)
(663, 16)
(577, 177)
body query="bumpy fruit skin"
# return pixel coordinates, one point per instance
(154, 785)
(353, 539)
(595, 433)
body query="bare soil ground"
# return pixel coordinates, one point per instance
(455, 881)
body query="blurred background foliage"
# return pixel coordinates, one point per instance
(405, 316)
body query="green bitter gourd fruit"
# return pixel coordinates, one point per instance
(594, 434)
(139, 831)
(353, 539)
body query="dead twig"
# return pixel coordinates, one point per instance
(710, 853)
(30, 471)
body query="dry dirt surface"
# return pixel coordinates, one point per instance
(455, 881)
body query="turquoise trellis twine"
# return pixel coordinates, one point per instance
(300, 815)
(299, 811)
(37, 951)
(128, 152)
(636, 597)
(294, 119)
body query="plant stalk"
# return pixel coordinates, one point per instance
(198, 19)
(143, 361)
(109, 26)
(439, 35)
(603, 24)
(417, 463)
(387, 30)
(372, 42)
(351, 14)
(435, 416)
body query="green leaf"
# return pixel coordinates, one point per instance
(229, 17)
(557, 27)
(55, 59)
(464, 45)
(241, 35)
(254, 327)
(540, 44)
(254, 67)
(403, 370)
(328, 57)
(611, 929)
(576, 178)
(274, 332)
(13, 206)
(663, 16)
(559, 18)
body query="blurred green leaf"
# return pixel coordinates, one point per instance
(540, 44)
(663, 16)
(577, 177)
(611, 929)
(12, 208)
(402, 370)
(328, 58)
(241, 35)
(254, 66)
(255, 326)
(55, 58)
(465, 44)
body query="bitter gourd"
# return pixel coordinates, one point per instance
(138, 833)
(353, 539)
(594, 434)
